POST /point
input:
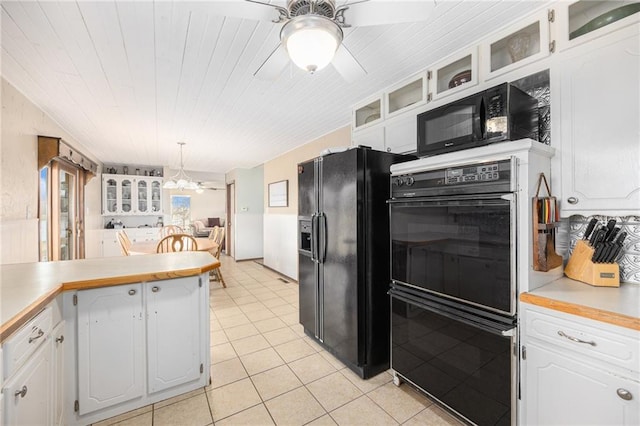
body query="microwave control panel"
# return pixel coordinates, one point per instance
(492, 176)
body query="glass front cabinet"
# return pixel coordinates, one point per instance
(454, 74)
(131, 195)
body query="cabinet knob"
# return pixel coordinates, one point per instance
(572, 200)
(23, 392)
(132, 292)
(60, 339)
(155, 289)
(624, 394)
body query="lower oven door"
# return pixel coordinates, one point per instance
(459, 247)
(466, 362)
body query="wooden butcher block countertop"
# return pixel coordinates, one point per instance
(614, 305)
(25, 288)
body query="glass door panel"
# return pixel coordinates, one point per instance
(143, 206)
(111, 196)
(156, 192)
(43, 214)
(66, 219)
(126, 195)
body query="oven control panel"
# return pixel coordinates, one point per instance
(486, 177)
(485, 172)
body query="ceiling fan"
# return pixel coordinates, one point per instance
(312, 31)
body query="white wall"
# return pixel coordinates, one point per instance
(22, 122)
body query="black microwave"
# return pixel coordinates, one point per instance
(501, 113)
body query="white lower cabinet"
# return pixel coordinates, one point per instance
(27, 393)
(174, 332)
(110, 346)
(579, 371)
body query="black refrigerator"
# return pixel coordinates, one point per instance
(343, 252)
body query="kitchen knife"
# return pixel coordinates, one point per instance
(606, 252)
(610, 226)
(592, 239)
(592, 224)
(612, 236)
(597, 254)
(599, 236)
(618, 245)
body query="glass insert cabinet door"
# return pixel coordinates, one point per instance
(111, 196)
(156, 196)
(142, 189)
(127, 186)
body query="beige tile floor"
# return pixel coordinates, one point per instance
(266, 371)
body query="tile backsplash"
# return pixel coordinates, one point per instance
(572, 229)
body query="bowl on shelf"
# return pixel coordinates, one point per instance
(606, 19)
(371, 118)
(460, 78)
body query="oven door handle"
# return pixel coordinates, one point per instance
(480, 198)
(500, 330)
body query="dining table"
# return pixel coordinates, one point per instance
(149, 247)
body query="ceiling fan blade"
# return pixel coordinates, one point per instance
(385, 12)
(273, 66)
(347, 65)
(258, 11)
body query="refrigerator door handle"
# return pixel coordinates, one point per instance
(322, 253)
(314, 237)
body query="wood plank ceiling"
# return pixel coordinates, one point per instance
(129, 79)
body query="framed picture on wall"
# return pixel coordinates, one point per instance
(279, 194)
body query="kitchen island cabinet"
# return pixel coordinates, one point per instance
(87, 334)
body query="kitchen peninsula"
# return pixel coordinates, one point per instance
(88, 339)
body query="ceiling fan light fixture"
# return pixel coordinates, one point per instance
(311, 41)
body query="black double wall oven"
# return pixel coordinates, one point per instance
(453, 295)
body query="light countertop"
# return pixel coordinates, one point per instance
(27, 287)
(614, 305)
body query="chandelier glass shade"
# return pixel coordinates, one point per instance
(311, 41)
(180, 180)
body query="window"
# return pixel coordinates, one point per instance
(181, 210)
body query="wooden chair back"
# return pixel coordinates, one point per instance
(219, 239)
(177, 242)
(125, 243)
(214, 233)
(170, 230)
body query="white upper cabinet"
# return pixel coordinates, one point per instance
(518, 45)
(456, 73)
(406, 95)
(595, 112)
(585, 20)
(131, 195)
(367, 113)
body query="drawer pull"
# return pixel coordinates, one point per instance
(132, 292)
(624, 394)
(23, 392)
(60, 339)
(572, 200)
(155, 289)
(575, 339)
(39, 335)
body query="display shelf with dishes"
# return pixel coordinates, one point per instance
(368, 113)
(131, 195)
(456, 73)
(407, 94)
(586, 20)
(518, 45)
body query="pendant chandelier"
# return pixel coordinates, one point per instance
(180, 180)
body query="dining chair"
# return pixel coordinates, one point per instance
(177, 242)
(125, 243)
(218, 238)
(170, 230)
(214, 233)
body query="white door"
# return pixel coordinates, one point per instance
(27, 394)
(173, 326)
(562, 390)
(110, 346)
(57, 335)
(231, 217)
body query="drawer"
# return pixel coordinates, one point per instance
(602, 344)
(17, 348)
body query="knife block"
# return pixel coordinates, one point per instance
(581, 268)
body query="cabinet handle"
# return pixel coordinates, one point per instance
(132, 292)
(40, 334)
(21, 393)
(572, 200)
(575, 339)
(155, 289)
(624, 394)
(60, 339)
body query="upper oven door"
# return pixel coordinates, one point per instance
(460, 247)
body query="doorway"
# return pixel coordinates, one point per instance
(231, 211)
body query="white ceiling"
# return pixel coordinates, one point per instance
(129, 79)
